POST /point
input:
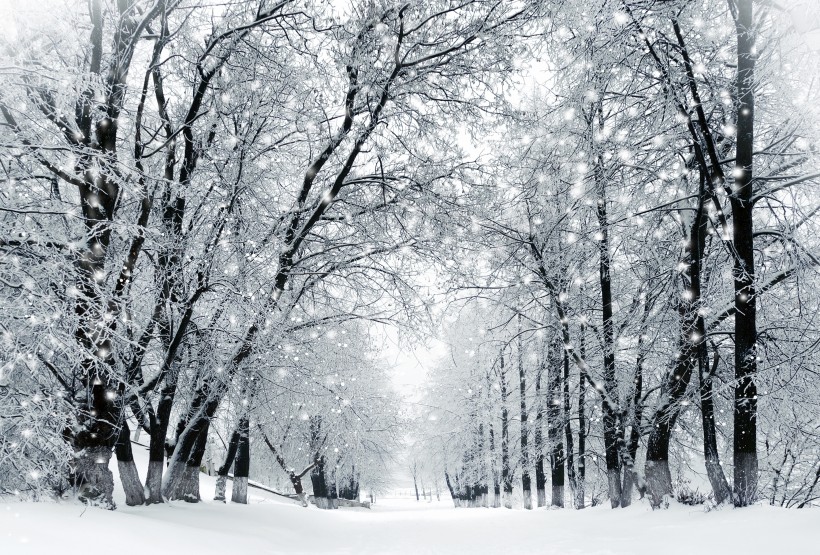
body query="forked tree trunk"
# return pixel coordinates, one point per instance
(691, 336)
(190, 485)
(159, 431)
(711, 455)
(631, 477)
(222, 472)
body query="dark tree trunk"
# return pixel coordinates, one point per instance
(658, 476)
(692, 331)
(745, 409)
(570, 456)
(239, 491)
(557, 364)
(540, 475)
(711, 455)
(453, 494)
(496, 501)
(159, 431)
(481, 477)
(506, 471)
(192, 434)
(319, 482)
(190, 489)
(131, 484)
(222, 472)
(349, 488)
(332, 494)
(526, 487)
(611, 428)
(630, 476)
(416, 487)
(580, 480)
(94, 442)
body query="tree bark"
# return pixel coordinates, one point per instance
(711, 455)
(526, 488)
(239, 492)
(496, 501)
(631, 477)
(691, 335)
(131, 484)
(558, 365)
(540, 475)
(580, 479)
(611, 425)
(745, 409)
(222, 472)
(506, 471)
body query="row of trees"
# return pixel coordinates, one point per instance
(199, 202)
(640, 285)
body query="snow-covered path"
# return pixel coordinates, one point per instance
(403, 526)
(268, 525)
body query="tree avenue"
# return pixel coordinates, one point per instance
(212, 213)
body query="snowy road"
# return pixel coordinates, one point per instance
(403, 526)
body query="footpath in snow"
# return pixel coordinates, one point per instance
(402, 526)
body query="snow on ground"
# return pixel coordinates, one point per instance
(399, 526)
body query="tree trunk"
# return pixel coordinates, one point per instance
(569, 456)
(711, 455)
(159, 432)
(554, 423)
(506, 471)
(222, 472)
(93, 445)
(580, 476)
(319, 482)
(745, 409)
(691, 336)
(450, 488)
(496, 502)
(239, 492)
(540, 475)
(631, 477)
(526, 488)
(190, 489)
(96, 481)
(611, 427)
(332, 494)
(131, 484)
